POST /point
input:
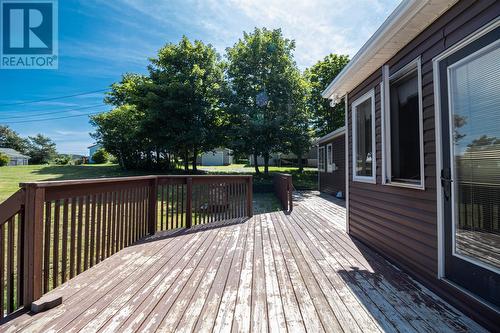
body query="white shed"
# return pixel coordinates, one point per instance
(218, 156)
(16, 158)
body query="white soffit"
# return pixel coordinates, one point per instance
(408, 20)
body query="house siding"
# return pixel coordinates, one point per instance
(333, 182)
(401, 223)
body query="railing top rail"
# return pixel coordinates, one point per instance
(11, 206)
(58, 183)
(205, 176)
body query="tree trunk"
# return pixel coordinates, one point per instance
(195, 157)
(255, 163)
(300, 164)
(186, 160)
(121, 161)
(266, 163)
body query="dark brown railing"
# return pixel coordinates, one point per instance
(283, 189)
(11, 258)
(53, 231)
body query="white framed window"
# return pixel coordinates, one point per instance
(321, 159)
(329, 158)
(363, 134)
(403, 153)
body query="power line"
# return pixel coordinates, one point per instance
(52, 112)
(55, 118)
(55, 98)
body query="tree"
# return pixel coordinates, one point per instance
(119, 131)
(176, 110)
(10, 139)
(325, 119)
(266, 85)
(41, 149)
(101, 156)
(185, 99)
(483, 143)
(4, 159)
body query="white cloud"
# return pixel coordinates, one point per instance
(319, 27)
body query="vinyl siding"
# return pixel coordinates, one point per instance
(333, 182)
(401, 223)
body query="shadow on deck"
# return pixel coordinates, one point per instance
(274, 272)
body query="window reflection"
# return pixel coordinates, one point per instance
(475, 104)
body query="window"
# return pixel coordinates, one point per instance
(329, 158)
(363, 148)
(321, 159)
(403, 127)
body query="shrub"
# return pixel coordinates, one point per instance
(63, 160)
(4, 160)
(113, 159)
(101, 156)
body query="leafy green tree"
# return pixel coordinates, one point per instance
(176, 110)
(4, 160)
(185, 99)
(41, 149)
(101, 156)
(325, 119)
(10, 139)
(266, 85)
(120, 133)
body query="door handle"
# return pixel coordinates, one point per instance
(446, 182)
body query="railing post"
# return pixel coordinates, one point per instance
(290, 193)
(153, 203)
(33, 244)
(189, 202)
(250, 196)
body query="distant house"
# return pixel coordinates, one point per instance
(331, 163)
(16, 158)
(280, 159)
(92, 150)
(218, 156)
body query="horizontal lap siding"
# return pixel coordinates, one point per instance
(402, 223)
(333, 182)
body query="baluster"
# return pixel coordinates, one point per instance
(73, 239)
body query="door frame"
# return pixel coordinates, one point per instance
(438, 139)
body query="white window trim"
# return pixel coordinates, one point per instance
(329, 163)
(320, 168)
(386, 124)
(373, 178)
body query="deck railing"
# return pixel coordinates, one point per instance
(283, 189)
(53, 231)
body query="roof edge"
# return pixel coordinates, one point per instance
(332, 135)
(403, 12)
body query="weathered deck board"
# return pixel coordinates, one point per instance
(276, 272)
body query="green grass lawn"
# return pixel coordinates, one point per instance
(307, 180)
(11, 176)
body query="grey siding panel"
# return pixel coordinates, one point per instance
(333, 182)
(401, 223)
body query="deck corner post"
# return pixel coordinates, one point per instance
(33, 243)
(153, 205)
(189, 202)
(290, 193)
(250, 196)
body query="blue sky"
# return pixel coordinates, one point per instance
(100, 40)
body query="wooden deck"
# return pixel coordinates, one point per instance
(275, 272)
